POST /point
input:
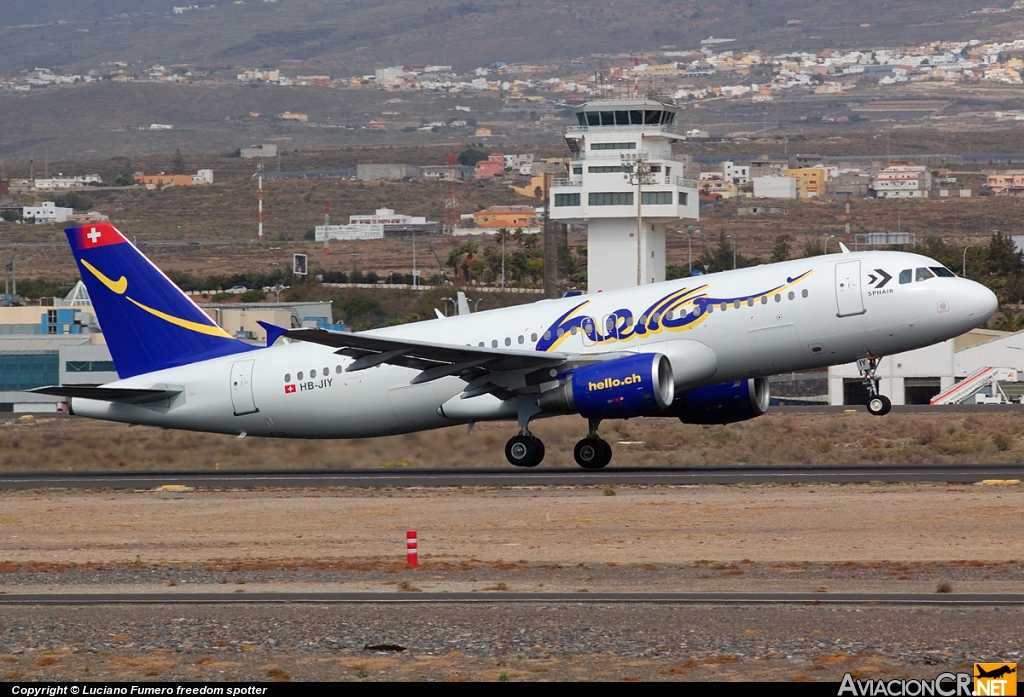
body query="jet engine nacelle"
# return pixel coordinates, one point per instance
(621, 388)
(693, 363)
(722, 404)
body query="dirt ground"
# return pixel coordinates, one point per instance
(551, 527)
(821, 538)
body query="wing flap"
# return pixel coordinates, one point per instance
(424, 355)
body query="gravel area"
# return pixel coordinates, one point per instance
(487, 642)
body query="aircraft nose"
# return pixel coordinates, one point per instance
(981, 303)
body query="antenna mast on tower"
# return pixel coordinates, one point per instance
(451, 202)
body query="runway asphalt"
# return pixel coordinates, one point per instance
(750, 598)
(642, 476)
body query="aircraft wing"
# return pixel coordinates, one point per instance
(486, 369)
(107, 394)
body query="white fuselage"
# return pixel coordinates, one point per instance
(780, 317)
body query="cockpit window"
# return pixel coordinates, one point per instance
(906, 275)
(942, 272)
(923, 274)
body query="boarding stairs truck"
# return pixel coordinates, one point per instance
(987, 385)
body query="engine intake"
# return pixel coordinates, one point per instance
(622, 388)
(722, 404)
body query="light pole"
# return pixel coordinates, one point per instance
(638, 172)
(415, 271)
(963, 271)
(826, 242)
(733, 250)
(504, 233)
(689, 246)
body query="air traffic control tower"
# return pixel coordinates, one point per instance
(625, 185)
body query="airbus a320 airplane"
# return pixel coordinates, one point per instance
(697, 349)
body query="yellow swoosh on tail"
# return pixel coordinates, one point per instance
(212, 330)
(119, 286)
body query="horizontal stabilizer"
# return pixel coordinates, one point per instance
(124, 395)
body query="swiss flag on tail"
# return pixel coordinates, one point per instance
(97, 235)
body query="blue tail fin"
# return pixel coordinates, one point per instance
(149, 324)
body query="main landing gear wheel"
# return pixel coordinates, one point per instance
(879, 405)
(524, 451)
(592, 453)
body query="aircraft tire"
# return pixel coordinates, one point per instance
(879, 405)
(592, 453)
(524, 451)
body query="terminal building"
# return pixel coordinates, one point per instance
(625, 184)
(63, 344)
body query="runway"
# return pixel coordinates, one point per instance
(636, 476)
(697, 598)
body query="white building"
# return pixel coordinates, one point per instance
(393, 74)
(774, 187)
(62, 182)
(386, 216)
(265, 150)
(902, 181)
(203, 176)
(612, 140)
(47, 212)
(519, 162)
(737, 174)
(357, 231)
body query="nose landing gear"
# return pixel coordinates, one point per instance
(593, 452)
(878, 404)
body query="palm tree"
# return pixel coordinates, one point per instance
(461, 259)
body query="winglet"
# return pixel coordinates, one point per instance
(846, 250)
(274, 332)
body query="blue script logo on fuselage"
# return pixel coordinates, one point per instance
(675, 312)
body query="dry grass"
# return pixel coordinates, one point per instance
(774, 439)
(149, 666)
(277, 675)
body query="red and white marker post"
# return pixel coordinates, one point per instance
(412, 555)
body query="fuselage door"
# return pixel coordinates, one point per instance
(241, 388)
(848, 295)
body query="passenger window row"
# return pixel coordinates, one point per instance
(508, 340)
(312, 374)
(736, 304)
